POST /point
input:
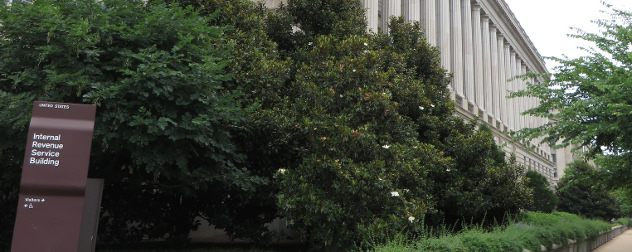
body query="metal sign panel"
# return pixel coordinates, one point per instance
(54, 177)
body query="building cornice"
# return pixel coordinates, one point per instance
(500, 14)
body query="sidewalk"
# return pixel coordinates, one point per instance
(621, 243)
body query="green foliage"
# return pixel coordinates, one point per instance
(580, 192)
(374, 119)
(314, 18)
(350, 137)
(588, 98)
(624, 221)
(530, 231)
(266, 139)
(363, 171)
(544, 199)
(338, 18)
(479, 187)
(162, 134)
(624, 198)
(558, 227)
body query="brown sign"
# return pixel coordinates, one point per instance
(54, 178)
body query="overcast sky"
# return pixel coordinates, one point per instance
(547, 22)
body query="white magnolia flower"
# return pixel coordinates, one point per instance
(365, 44)
(282, 171)
(447, 169)
(386, 146)
(421, 108)
(411, 219)
(432, 105)
(394, 194)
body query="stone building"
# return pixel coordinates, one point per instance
(483, 45)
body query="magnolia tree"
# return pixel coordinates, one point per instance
(379, 149)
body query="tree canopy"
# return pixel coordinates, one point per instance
(162, 137)
(589, 98)
(544, 199)
(580, 192)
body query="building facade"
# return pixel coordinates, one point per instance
(483, 45)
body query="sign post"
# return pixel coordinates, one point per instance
(54, 176)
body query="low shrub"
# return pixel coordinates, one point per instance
(624, 222)
(530, 230)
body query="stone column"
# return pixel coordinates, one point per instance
(517, 86)
(534, 104)
(477, 46)
(530, 100)
(411, 10)
(487, 66)
(456, 45)
(539, 120)
(428, 20)
(372, 7)
(507, 86)
(395, 7)
(502, 80)
(468, 51)
(519, 101)
(495, 76)
(533, 120)
(443, 27)
(513, 103)
(270, 4)
(390, 8)
(525, 100)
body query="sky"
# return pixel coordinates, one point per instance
(547, 23)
